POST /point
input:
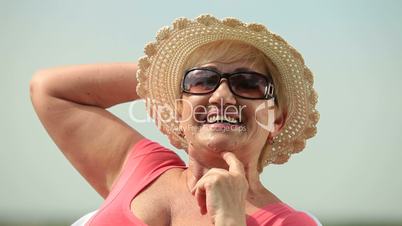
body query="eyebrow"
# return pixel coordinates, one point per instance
(243, 69)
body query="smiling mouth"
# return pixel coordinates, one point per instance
(222, 119)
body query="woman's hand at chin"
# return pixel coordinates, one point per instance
(222, 193)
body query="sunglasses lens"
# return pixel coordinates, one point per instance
(200, 81)
(248, 85)
(244, 84)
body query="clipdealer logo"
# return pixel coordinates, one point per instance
(165, 114)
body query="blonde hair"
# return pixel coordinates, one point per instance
(230, 51)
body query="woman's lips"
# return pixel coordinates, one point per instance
(216, 115)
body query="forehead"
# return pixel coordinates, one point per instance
(235, 66)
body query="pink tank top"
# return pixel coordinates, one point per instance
(146, 161)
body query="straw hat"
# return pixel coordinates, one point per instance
(161, 70)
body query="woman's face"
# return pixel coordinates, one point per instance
(220, 121)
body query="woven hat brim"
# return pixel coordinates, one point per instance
(161, 70)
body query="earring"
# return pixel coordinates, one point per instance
(181, 132)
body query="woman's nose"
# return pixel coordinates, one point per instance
(222, 95)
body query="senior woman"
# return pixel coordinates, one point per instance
(234, 96)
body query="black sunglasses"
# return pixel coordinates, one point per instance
(249, 85)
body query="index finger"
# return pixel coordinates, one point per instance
(234, 163)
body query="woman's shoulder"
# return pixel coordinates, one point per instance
(147, 146)
(273, 211)
(146, 161)
(152, 151)
(300, 218)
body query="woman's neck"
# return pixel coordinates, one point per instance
(196, 170)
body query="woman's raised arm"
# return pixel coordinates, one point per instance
(71, 104)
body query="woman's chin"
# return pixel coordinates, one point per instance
(216, 139)
(220, 142)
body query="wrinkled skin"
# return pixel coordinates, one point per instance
(223, 161)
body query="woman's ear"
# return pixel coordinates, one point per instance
(279, 122)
